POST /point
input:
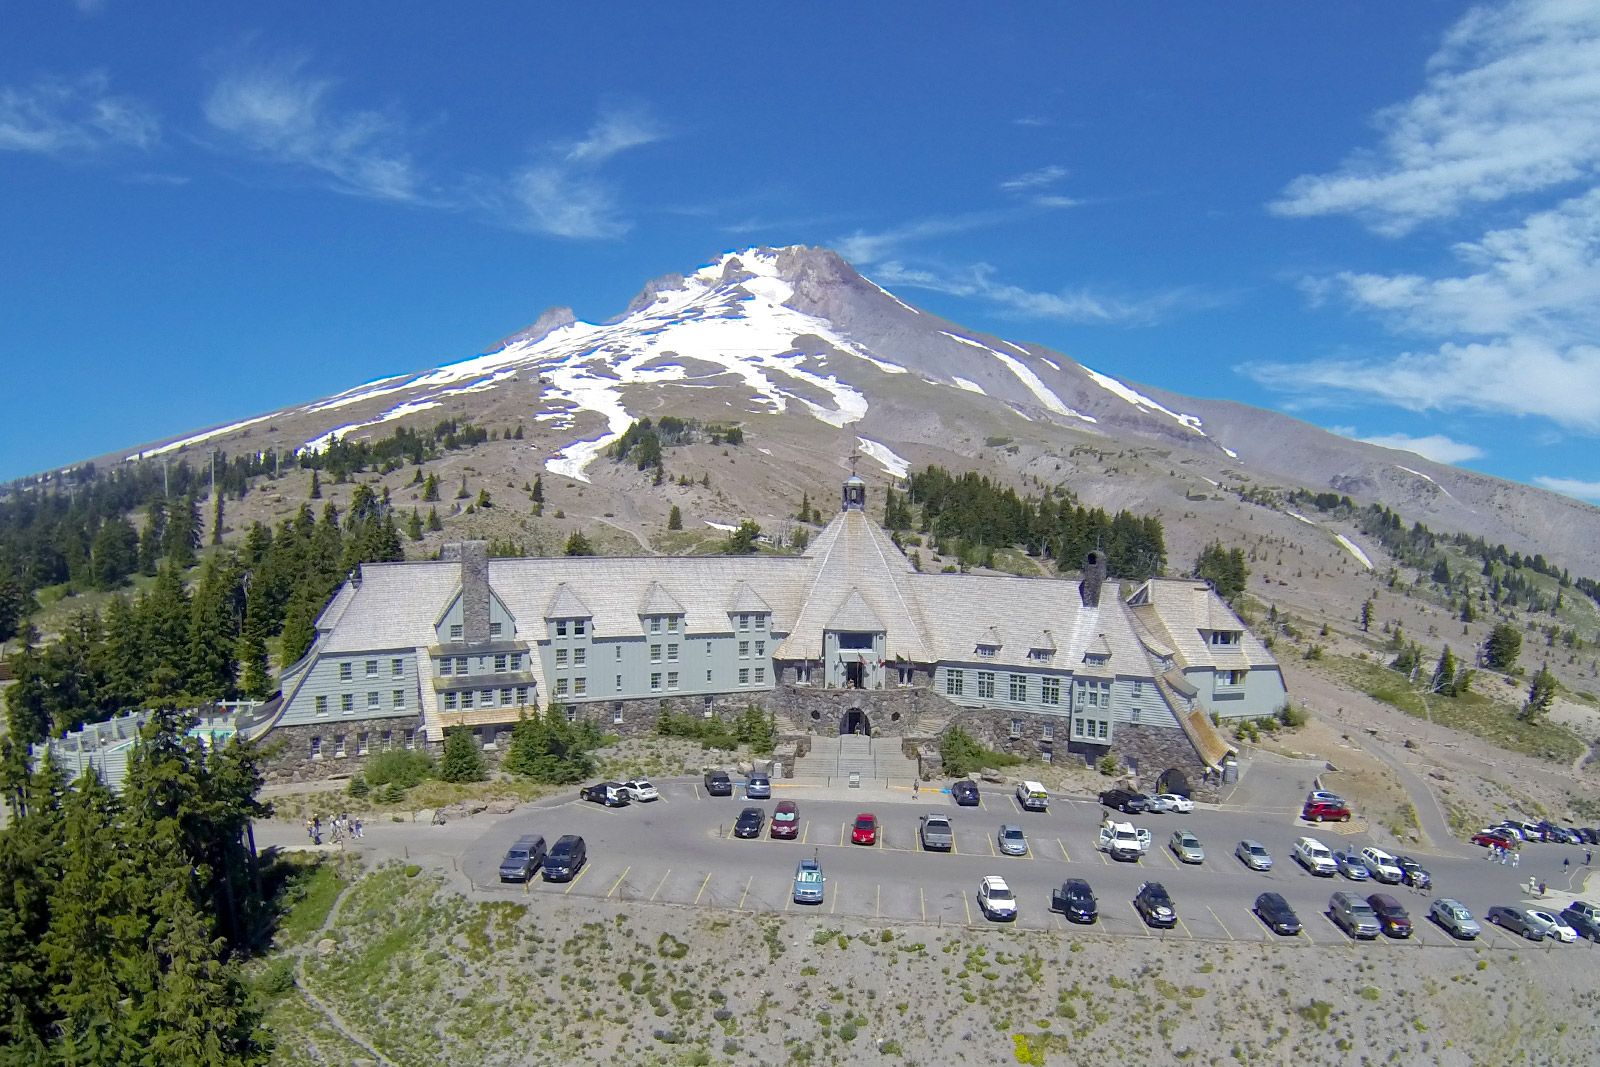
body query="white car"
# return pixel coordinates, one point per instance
(1315, 857)
(640, 789)
(1553, 925)
(1172, 802)
(996, 898)
(1384, 867)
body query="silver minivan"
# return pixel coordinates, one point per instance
(1354, 916)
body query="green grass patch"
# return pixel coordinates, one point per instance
(308, 895)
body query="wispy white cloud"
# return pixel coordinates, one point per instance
(1068, 305)
(1031, 120)
(1573, 487)
(1035, 179)
(58, 116)
(1437, 447)
(564, 195)
(278, 110)
(1511, 106)
(863, 248)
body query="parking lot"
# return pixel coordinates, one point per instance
(679, 850)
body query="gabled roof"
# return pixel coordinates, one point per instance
(657, 601)
(855, 614)
(1045, 642)
(1099, 646)
(991, 638)
(1218, 617)
(566, 604)
(1177, 614)
(854, 555)
(746, 600)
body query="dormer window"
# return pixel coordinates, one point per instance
(561, 627)
(1094, 660)
(1225, 638)
(1043, 655)
(987, 651)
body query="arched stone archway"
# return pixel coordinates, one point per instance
(855, 721)
(1173, 780)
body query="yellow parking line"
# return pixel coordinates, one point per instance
(1220, 923)
(574, 883)
(922, 903)
(1184, 928)
(841, 833)
(1064, 853)
(703, 887)
(834, 902)
(992, 852)
(877, 901)
(746, 891)
(967, 906)
(980, 803)
(618, 882)
(661, 883)
(696, 787)
(1305, 932)
(805, 831)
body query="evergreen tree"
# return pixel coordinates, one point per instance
(462, 762)
(1502, 648)
(31, 852)
(1224, 568)
(461, 492)
(124, 663)
(414, 526)
(800, 538)
(430, 488)
(483, 499)
(182, 534)
(538, 489)
(255, 674)
(1541, 694)
(805, 507)
(14, 607)
(674, 519)
(1444, 673)
(578, 545)
(152, 537)
(743, 540)
(433, 520)
(114, 554)
(299, 625)
(1366, 615)
(216, 520)
(164, 614)
(316, 486)
(213, 632)
(1467, 613)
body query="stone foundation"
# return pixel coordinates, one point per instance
(288, 758)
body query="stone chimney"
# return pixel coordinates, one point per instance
(1094, 576)
(474, 559)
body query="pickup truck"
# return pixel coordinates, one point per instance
(1122, 841)
(937, 836)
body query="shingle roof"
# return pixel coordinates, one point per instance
(747, 600)
(854, 614)
(566, 604)
(991, 638)
(1179, 613)
(657, 601)
(854, 555)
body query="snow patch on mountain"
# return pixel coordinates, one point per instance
(194, 439)
(1023, 351)
(969, 386)
(1302, 518)
(1139, 400)
(1354, 549)
(890, 295)
(1427, 479)
(1025, 375)
(885, 457)
(720, 526)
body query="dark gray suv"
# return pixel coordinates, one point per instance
(563, 862)
(522, 859)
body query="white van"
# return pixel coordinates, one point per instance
(1315, 857)
(1032, 796)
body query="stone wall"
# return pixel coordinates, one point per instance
(288, 750)
(898, 712)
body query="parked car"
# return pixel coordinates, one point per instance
(1351, 866)
(1382, 866)
(964, 792)
(611, 794)
(1254, 854)
(1516, 920)
(1583, 917)
(1354, 916)
(1186, 847)
(809, 882)
(864, 831)
(641, 790)
(1076, 901)
(1031, 796)
(786, 820)
(1176, 803)
(1012, 840)
(1453, 918)
(1155, 905)
(718, 784)
(1590, 835)
(1323, 811)
(565, 859)
(936, 832)
(523, 859)
(1315, 857)
(996, 900)
(1414, 874)
(1124, 800)
(1280, 918)
(1392, 918)
(1322, 796)
(1555, 928)
(749, 823)
(1490, 838)
(758, 787)
(1123, 841)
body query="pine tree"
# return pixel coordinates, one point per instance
(433, 520)
(1541, 694)
(578, 545)
(414, 526)
(1502, 648)
(1366, 615)
(182, 535)
(461, 492)
(805, 507)
(31, 854)
(430, 488)
(213, 633)
(316, 485)
(255, 674)
(1444, 673)
(299, 625)
(114, 555)
(483, 499)
(216, 519)
(674, 519)
(164, 617)
(462, 762)
(538, 489)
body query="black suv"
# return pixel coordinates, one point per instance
(1076, 901)
(1413, 874)
(965, 793)
(563, 862)
(718, 784)
(1125, 800)
(750, 822)
(1280, 918)
(522, 859)
(1155, 906)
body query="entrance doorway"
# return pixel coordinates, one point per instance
(1173, 780)
(854, 674)
(855, 721)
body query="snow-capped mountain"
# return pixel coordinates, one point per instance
(809, 354)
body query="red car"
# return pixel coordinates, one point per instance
(1322, 811)
(1492, 839)
(865, 829)
(786, 820)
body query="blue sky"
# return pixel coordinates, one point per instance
(1383, 218)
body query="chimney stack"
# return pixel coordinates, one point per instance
(474, 558)
(1094, 576)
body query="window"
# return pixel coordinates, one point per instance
(619, 683)
(655, 653)
(616, 712)
(802, 674)
(1230, 678)
(347, 702)
(954, 681)
(561, 627)
(708, 648)
(761, 622)
(744, 649)
(522, 694)
(672, 624)
(561, 657)
(345, 672)
(516, 661)
(411, 738)
(907, 673)
(1094, 696)
(580, 686)
(316, 747)
(744, 622)
(561, 687)
(322, 705)
(388, 739)
(1224, 637)
(672, 653)
(579, 627)
(761, 676)
(506, 695)
(744, 675)
(655, 682)
(455, 631)
(372, 668)
(361, 743)
(1105, 729)
(397, 667)
(466, 699)
(496, 629)
(619, 652)
(572, 713)
(987, 651)
(1047, 731)
(338, 746)
(708, 676)
(461, 665)
(1041, 653)
(761, 648)
(672, 679)
(985, 685)
(500, 664)
(1133, 715)
(446, 665)
(450, 702)
(580, 656)
(373, 699)
(1016, 727)
(1050, 690)
(655, 624)
(1019, 688)
(1138, 689)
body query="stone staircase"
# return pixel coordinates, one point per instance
(878, 761)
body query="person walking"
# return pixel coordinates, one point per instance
(1515, 856)
(1587, 855)
(355, 828)
(915, 787)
